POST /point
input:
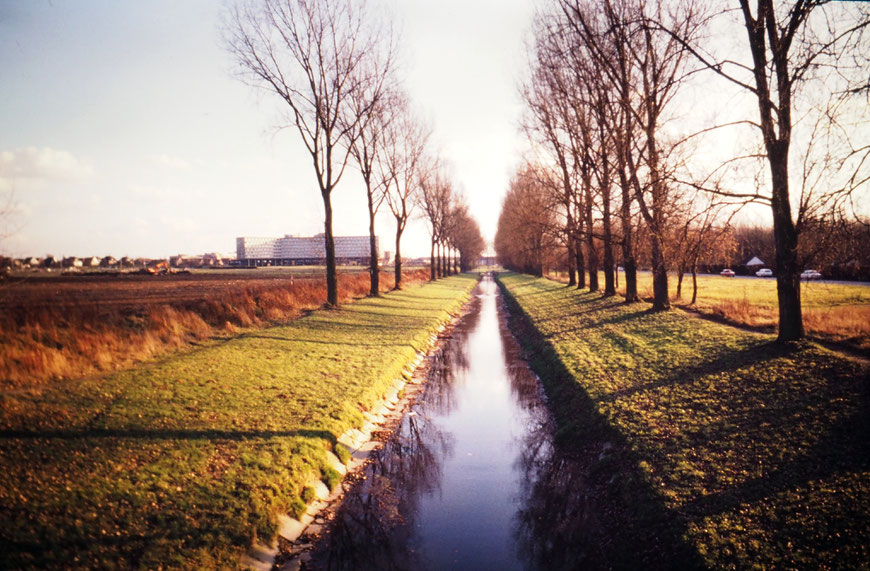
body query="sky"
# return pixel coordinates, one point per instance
(125, 131)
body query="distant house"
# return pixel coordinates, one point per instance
(108, 262)
(212, 260)
(30, 262)
(91, 262)
(127, 262)
(71, 262)
(49, 262)
(754, 263)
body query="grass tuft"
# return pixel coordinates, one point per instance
(331, 477)
(341, 451)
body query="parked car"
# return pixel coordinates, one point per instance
(764, 273)
(811, 275)
(727, 272)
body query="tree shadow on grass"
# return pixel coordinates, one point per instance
(775, 437)
(168, 434)
(327, 342)
(588, 503)
(728, 361)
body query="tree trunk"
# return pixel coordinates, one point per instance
(788, 284)
(591, 251)
(609, 281)
(374, 270)
(694, 283)
(581, 265)
(572, 275)
(569, 229)
(329, 245)
(628, 263)
(438, 272)
(432, 261)
(680, 273)
(398, 258)
(660, 275)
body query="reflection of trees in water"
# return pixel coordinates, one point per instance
(525, 386)
(449, 364)
(557, 525)
(374, 524)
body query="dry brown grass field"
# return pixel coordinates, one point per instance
(57, 327)
(833, 312)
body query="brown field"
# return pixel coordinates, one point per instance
(60, 327)
(833, 312)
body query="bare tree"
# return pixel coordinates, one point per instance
(316, 55)
(646, 69)
(545, 100)
(435, 200)
(807, 58)
(469, 242)
(366, 151)
(403, 155)
(524, 240)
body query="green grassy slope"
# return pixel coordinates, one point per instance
(706, 445)
(181, 462)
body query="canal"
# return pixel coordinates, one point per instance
(465, 480)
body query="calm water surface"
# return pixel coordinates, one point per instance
(458, 485)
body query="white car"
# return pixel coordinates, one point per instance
(810, 275)
(727, 272)
(764, 273)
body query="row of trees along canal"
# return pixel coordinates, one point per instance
(333, 63)
(644, 119)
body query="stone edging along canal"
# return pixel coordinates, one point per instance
(359, 444)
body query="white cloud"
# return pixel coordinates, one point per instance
(42, 164)
(169, 162)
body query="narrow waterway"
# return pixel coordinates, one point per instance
(458, 485)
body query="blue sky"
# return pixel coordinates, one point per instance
(124, 131)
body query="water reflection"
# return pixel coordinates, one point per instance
(471, 478)
(373, 527)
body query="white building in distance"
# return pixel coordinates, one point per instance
(304, 251)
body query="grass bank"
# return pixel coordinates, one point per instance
(182, 462)
(705, 445)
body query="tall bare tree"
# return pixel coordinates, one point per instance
(366, 151)
(646, 68)
(524, 240)
(403, 156)
(316, 55)
(435, 200)
(469, 242)
(545, 99)
(806, 58)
